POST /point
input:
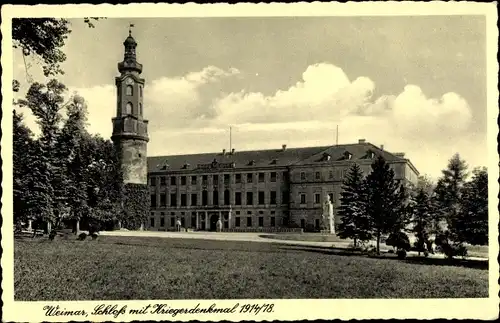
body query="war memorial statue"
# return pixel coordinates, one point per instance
(328, 223)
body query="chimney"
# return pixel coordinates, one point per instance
(361, 141)
(381, 147)
(283, 147)
(400, 155)
(223, 152)
(232, 151)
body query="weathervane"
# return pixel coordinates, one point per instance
(130, 29)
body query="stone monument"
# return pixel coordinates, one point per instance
(219, 225)
(328, 220)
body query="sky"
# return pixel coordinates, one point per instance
(414, 84)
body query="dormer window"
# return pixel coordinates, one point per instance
(164, 166)
(185, 166)
(326, 157)
(370, 154)
(251, 163)
(347, 155)
(274, 161)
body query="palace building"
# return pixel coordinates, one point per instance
(258, 189)
(245, 190)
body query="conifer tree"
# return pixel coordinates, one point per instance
(385, 200)
(354, 221)
(449, 188)
(421, 219)
(470, 225)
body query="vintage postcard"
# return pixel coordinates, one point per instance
(250, 162)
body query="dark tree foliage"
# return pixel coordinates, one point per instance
(385, 201)
(355, 222)
(470, 225)
(398, 240)
(421, 220)
(66, 173)
(45, 103)
(22, 158)
(44, 38)
(449, 189)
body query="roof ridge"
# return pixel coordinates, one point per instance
(322, 151)
(325, 147)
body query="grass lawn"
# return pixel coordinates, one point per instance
(155, 268)
(316, 237)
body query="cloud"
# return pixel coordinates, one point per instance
(192, 113)
(182, 101)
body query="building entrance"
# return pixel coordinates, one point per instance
(214, 217)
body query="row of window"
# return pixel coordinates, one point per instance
(237, 222)
(317, 198)
(238, 198)
(317, 175)
(238, 178)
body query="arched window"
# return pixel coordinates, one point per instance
(128, 108)
(140, 109)
(140, 91)
(129, 90)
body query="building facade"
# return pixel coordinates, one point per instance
(248, 190)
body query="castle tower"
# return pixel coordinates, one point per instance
(130, 132)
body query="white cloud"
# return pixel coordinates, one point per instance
(190, 114)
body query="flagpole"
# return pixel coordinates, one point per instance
(337, 138)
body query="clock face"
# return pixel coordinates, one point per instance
(129, 81)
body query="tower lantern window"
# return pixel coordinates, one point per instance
(128, 108)
(129, 90)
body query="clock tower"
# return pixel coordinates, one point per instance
(130, 129)
(130, 138)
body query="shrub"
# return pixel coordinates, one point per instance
(310, 228)
(52, 235)
(401, 254)
(94, 236)
(449, 248)
(390, 251)
(82, 236)
(428, 244)
(399, 240)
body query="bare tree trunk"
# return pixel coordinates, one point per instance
(355, 243)
(378, 243)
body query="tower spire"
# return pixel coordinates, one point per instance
(130, 63)
(130, 29)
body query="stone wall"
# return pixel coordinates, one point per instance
(134, 163)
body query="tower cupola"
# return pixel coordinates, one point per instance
(130, 63)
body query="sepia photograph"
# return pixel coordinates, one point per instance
(227, 157)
